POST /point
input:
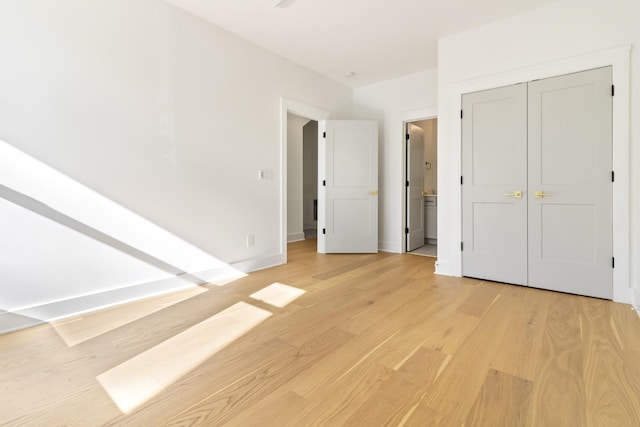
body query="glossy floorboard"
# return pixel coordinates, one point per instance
(373, 340)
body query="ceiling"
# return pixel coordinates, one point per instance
(375, 39)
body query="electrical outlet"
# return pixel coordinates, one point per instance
(250, 240)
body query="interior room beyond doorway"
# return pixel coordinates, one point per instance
(302, 177)
(421, 213)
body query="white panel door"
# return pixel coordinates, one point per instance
(348, 186)
(494, 165)
(415, 183)
(551, 140)
(570, 188)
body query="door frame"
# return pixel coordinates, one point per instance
(450, 257)
(303, 110)
(404, 119)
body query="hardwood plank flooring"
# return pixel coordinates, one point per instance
(374, 340)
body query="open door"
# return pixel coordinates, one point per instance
(415, 183)
(348, 186)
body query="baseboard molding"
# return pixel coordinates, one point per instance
(389, 247)
(10, 322)
(635, 300)
(79, 305)
(295, 237)
(444, 268)
(35, 315)
(255, 264)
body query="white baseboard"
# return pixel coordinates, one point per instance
(31, 316)
(295, 237)
(255, 264)
(444, 268)
(392, 247)
(79, 305)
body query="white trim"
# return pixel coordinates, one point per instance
(31, 316)
(302, 110)
(400, 121)
(387, 247)
(255, 264)
(619, 59)
(295, 237)
(73, 306)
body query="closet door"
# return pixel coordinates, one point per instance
(570, 188)
(494, 203)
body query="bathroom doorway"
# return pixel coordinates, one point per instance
(421, 198)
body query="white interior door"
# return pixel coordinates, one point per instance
(570, 188)
(415, 183)
(551, 139)
(494, 180)
(348, 186)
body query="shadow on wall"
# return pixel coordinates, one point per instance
(65, 249)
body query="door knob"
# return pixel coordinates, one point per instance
(540, 194)
(515, 194)
(373, 192)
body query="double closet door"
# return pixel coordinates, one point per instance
(537, 184)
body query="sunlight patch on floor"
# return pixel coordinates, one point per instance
(278, 294)
(78, 329)
(140, 378)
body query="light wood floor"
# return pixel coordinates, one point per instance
(375, 340)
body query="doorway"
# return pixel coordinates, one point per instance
(287, 107)
(302, 178)
(421, 195)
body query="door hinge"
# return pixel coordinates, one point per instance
(324, 231)
(461, 246)
(406, 230)
(461, 181)
(613, 176)
(324, 134)
(408, 136)
(407, 183)
(460, 113)
(324, 183)
(613, 262)
(613, 90)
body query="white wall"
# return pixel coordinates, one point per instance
(555, 39)
(309, 173)
(408, 98)
(295, 170)
(161, 112)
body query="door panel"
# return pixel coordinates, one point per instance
(494, 165)
(348, 202)
(415, 177)
(570, 160)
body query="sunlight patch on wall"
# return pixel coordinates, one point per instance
(278, 294)
(26, 175)
(140, 378)
(78, 329)
(67, 249)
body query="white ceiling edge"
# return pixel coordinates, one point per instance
(378, 40)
